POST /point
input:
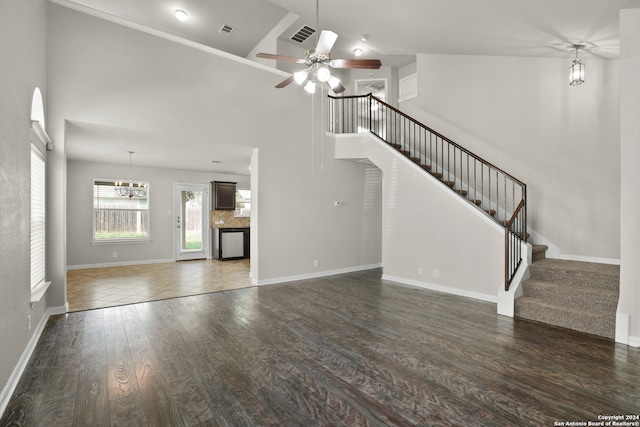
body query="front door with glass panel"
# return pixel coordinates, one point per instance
(191, 221)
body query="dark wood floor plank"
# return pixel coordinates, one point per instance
(222, 351)
(159, 404)
(92, 400)
(204, 364)
(261, 381)
(58, 403)
(125, 403)
(24, 405)
(345, 350)
(173, 354)
(334, 354)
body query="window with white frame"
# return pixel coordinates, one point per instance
(243, 203)
(118, 218)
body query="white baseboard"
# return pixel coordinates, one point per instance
(119, 264)
(314, 275)
(566, 257)
(18, 370)
(622, 331)
(554, 251)
(622, 328)
(440, 288)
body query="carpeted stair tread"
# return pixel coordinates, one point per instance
(582, 296)
(538, 252)
(573, 295)
(576, 273)
(581, 319)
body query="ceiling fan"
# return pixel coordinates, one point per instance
(318, 63)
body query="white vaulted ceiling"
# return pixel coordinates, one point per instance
(398, 30)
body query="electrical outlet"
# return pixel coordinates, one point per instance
(29, 322)
(436, 273)
(419, 270)
(315, 262)
(115, 254)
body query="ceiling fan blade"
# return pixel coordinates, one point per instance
(326, 42)
(285, 82)
(280, 57)
(356, 63)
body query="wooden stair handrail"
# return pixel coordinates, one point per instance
(436, 133)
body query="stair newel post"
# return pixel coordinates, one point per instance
(506, 259)
(524, 197)
(370, 112)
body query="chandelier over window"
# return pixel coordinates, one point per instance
(131, 190)
(576, 71)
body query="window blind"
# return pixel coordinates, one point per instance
(37, 217)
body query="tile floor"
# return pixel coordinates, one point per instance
(112, 286)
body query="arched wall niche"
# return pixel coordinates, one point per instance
(37, 107)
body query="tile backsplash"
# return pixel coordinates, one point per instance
(230, 221)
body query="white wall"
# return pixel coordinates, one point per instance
(80, 175)
(629, 305)
(297, 185)
(427, 227)
(23, 47)
(137, 81)
(563, 142)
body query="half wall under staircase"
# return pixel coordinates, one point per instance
(489, 189)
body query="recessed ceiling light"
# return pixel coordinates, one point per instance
(357, 51)
(181, 15)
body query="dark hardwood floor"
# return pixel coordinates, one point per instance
(345, 350)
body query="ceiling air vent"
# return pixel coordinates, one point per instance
(302, 34)
(225, 30)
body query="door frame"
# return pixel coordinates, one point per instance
(360, 83)
(206, 232)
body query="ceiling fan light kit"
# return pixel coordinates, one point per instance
(310, 87)
(334, 83)
(300, 76)
(323, 74)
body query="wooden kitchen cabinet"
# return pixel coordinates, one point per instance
(224, 196)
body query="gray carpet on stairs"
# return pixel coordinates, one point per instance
(576, 295)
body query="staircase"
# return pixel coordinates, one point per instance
(489, 188)
(582, 296)
(574, 295)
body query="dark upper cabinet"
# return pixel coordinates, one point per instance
(224, 196)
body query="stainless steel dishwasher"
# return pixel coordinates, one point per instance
(232, 243)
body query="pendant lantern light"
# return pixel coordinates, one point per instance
(576, 71)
